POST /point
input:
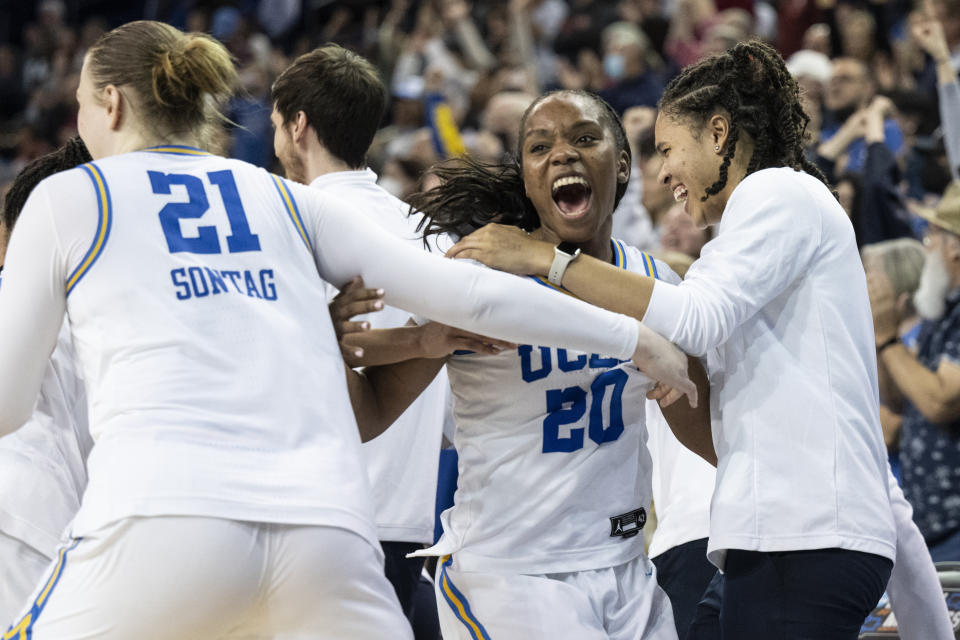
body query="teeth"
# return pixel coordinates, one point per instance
(563, 182)
(680, 193)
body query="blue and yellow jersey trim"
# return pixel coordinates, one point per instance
(459, 604)
(650, 265)
(178, 150)
(291, 206)
(104, 222)
(23, 628)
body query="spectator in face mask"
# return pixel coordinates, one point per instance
(631, 66)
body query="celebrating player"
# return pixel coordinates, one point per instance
(801, 519)
(544, 538)
(225, 492)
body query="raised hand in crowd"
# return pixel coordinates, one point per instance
(927, 32)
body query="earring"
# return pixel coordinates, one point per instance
(716, 147)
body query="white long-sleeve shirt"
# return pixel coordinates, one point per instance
(781, 293)
(401, 462)
(43, 465)
(192, 285)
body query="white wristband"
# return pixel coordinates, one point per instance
(561, 260)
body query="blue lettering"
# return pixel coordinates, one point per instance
(206, 240)
(234, 276)
(267, 284)
(196, 273)
(216, 282)
(251, 285)
(240, 238)
(596, 362)
(570, 365)
(558, 416)
(202, 281)
(185, 293)
(618, 379)
(526, 370)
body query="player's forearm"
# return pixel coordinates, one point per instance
(381, 394)
(387, 346)
(604, 285)
(692, 426)
(466, 296)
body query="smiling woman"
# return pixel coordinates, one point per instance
(573, 171)
(800, 520)
(542, 540)
(192, 284)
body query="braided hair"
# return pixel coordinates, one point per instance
(751, 83)
(72, 154)
(473, 193)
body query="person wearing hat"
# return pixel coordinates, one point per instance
(926, 384)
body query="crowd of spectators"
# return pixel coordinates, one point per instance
(878, 80)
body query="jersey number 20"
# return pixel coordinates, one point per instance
(576, 398)
(206, 241)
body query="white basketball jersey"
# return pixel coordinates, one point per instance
(402, 461)
(43, 464)
(554, 473)
(215, 382)
(219, 390)
(682, 487)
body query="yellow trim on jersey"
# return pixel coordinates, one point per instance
(180, 151)
(620, 258)
(103, 225)
(21, 631)
(459, 604)
(292, 210)
(619, 261)
(547, 283)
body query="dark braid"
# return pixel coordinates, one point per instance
(721, 182)
(751, 83)
(72, 154)
(473, 193)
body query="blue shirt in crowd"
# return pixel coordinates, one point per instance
(930, 453)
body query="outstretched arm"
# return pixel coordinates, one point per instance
(770, 234)
(508, 248)
(32, 307)
(477, 299)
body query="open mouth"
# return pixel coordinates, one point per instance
(572, 195)
(680, 193)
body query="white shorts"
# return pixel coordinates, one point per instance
(181, 578)
(23, 567)
(617, 603)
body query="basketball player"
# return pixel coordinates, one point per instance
(315, 148)
(801, 518)
(544, 538)
(43, 464)
(226, 495)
